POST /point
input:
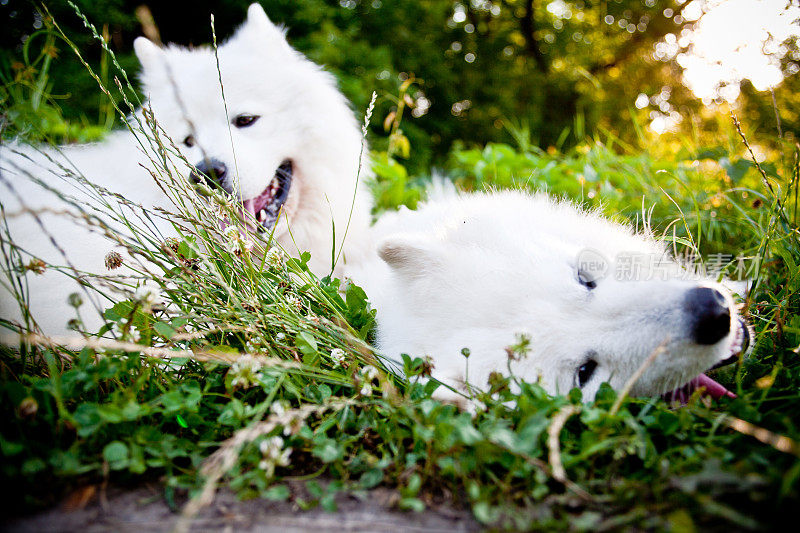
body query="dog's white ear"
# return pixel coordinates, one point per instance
(257, 15)
(148, 53)
(409, 255)
(258, 28)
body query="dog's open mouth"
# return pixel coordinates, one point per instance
(710, 387)
(265, 208)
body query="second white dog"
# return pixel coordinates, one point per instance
(594, 300)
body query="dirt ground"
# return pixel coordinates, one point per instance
(143, 510)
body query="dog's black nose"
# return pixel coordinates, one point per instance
(209, 171)
(710, 316)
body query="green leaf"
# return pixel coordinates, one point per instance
(328, 451)
(414, 484)
(136, 463)
(465, 430)
(668, 422)
(9, 448)
(484, 513)
(307, 345)
(32, 466)
(165, 330)
(120, 310)
(277, 493)
(716, 153)
(116, 454)
(110, 413)
(371, 478)
(736, 169)
(233, 414)
(412, 504)
(222, 349)
(328, 502)
(87, 418)
(132, 410)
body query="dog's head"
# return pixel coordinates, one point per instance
(259, 120)
(595, 299)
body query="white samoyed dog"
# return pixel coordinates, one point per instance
(284, 142)
(594, 299)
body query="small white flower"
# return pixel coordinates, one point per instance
(294, 426)
(147, 297)
(366, 390)
(369, 373)
(245, 371)
(280, 337)
(273, 454)
(275, 258)
(271, 447)
(247, 362)
(144, 293)
(338, 356)
(277, 408)
(246, 245)
(283, 459)
(267, 466)
(231, 232)
(294, 301)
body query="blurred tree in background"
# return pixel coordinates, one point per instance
(547, 73)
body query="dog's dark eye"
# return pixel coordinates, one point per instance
(586, 281)
(586, 371)
(243, 121)
(189, 141)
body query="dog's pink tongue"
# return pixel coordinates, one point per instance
(709, 388)
(713, 389)
(250, 206)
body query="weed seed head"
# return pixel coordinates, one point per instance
(28, 408)
(75, 300)
(37, 266)
(113, 260)
(521, 349)
(427, 366)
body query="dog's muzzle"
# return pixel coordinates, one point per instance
(261, 212)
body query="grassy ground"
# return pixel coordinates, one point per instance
(172, 397)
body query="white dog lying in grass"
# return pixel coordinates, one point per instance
(287, 146)
(488, 271)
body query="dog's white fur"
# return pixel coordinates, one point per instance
(304, 118)
(475, 271)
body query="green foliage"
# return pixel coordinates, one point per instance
(26, 97)
(67, 416)
(560, 67)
